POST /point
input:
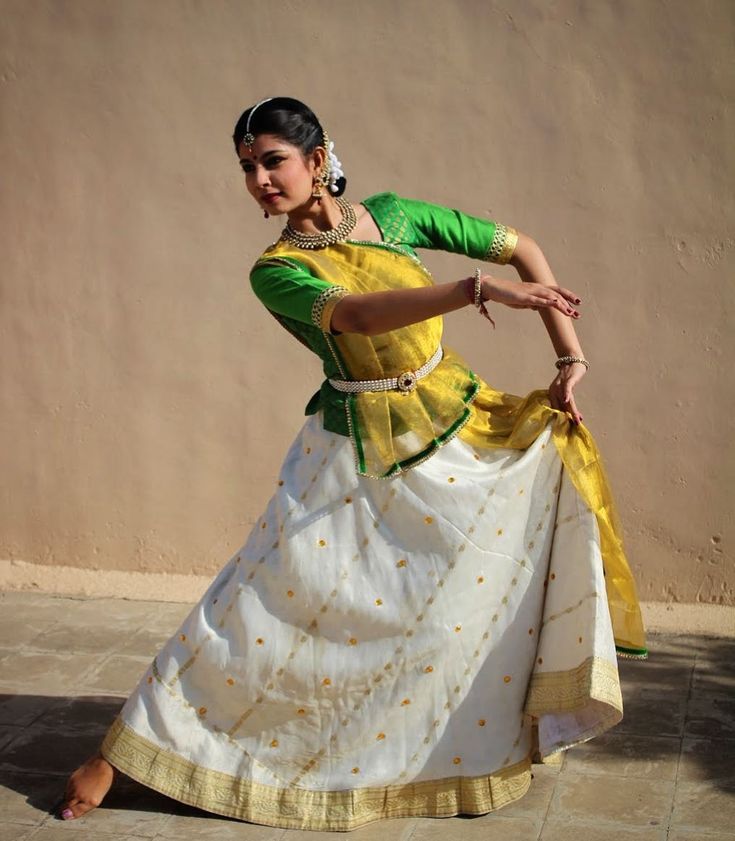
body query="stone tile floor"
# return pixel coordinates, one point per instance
(665, 773)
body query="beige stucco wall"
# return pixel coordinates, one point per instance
(148, 398)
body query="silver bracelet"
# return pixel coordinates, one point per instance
(567, 360)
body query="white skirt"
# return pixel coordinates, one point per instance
(384, 648)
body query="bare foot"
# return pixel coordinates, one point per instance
(87, 787)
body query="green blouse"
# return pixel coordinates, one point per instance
(296, 297)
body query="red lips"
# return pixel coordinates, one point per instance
(270, 197)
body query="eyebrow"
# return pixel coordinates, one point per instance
(264, 155)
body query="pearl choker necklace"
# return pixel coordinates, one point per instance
(337, 234)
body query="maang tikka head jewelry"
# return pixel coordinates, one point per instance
(249, 138)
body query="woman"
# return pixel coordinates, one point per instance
(436, 591)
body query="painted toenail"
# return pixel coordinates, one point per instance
(66, 814)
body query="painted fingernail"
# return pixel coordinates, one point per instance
(66, 814)
(577, 300)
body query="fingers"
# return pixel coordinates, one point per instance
(557, 297)
(556, 395)
(572, 297)
(560, 303)
(570, 405)
(556, 402)
(561, 397)
(574, 411)
(531, 295)
(553, 301)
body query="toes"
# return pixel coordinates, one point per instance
(74, 808)
(65, 809)
(81, 808)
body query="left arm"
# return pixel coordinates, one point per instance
(529, 261)
(425, 225)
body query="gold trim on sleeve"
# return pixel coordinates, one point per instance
(503, 244)
(323, 307)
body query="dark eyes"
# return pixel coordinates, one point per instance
(270, 163)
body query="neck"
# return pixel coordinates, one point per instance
(313, 218)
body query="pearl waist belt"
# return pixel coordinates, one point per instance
(404, 382)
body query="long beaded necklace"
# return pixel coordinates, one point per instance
(339, 233)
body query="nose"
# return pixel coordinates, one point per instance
(262, 178)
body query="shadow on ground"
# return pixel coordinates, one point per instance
(680, 701)
(669, 762)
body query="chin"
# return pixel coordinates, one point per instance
(272, 211)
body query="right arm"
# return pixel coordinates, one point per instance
(379, 312)
(289, 290)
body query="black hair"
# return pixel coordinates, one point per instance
(290, 120)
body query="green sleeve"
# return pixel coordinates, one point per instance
(286, 288)
(421, 224)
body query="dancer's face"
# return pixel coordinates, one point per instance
(277, 174)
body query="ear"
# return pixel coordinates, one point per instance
(318, 157)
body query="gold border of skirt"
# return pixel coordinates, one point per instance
(299, 808)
